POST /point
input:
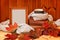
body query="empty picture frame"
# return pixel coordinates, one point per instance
(18, 16)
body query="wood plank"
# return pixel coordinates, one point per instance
(0, 10)
(58, 9)
(12, 3)
(4, 10)
(45, 5)
(20, 3)
(31, 5)
(38, 3)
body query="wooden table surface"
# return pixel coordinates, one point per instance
(43, 37)
(2, 35)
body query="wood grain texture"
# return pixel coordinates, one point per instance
(4, 10)
(0, 10)
(31, 6)
(50, 6)
(52, 10)
(58, 9)
(12, 3)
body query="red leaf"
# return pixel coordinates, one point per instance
(12, 28)
(46, 24)
(26, 37)
(11, 36)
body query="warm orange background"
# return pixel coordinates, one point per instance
(51, 6)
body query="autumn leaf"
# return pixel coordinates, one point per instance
(12, 28)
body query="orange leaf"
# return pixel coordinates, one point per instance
(12, 28)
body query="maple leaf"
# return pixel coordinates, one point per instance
(12, 28)
(45, 24)
(11, 36)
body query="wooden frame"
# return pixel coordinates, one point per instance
(10, 14)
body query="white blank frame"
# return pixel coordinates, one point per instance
(18, 16)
